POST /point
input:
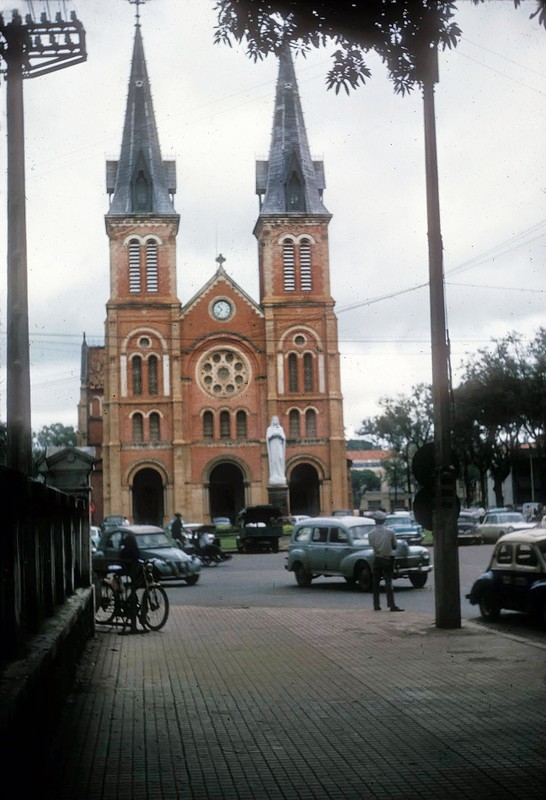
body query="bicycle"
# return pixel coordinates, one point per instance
(119, 602)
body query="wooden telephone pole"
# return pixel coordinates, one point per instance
(29, 49)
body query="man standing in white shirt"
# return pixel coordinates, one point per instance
(383, 541)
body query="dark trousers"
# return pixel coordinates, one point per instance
(382, 568)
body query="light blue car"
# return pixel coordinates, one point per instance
(339, 546)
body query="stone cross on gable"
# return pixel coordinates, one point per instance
(220, 259)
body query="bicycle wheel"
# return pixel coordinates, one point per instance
(155, 607)
(105, 603)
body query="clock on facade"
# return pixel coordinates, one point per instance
(222, 309)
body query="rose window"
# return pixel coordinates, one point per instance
(223, 373)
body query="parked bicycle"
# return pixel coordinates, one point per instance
(119, 602)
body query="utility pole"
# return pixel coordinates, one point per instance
(445, 506)
(29, 49)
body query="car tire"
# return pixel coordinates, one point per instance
(275, 546)
(489, 606)
(192, 580)
(303, 576)
(418, 580)
(364, 578)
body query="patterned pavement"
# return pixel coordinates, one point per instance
(291, 703)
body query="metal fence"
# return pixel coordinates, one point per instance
(44, 557)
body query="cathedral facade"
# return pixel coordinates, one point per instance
(178, 400)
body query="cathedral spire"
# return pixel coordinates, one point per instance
(140, 182)
(290, 182)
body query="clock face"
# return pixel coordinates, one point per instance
(222, 309)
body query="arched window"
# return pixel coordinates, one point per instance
(138, 428)
(136, 364)
(224, 425)
(292, 372)
(208, 425)
(152, 375)
(305, 266)
(310, 423)
(308, 382)
(151, 266)
(294, 424)
(134, 265)
(288, 266)
(155, 428)
(241, 425)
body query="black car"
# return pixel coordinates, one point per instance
(169, 562)
(515, 578)
(467, 528)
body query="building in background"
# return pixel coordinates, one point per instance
(178, 400)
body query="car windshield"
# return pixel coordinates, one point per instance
(513, 517)
(360, 534)
(146, 540)
(391, 522)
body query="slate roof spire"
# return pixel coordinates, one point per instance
(140, 182)
(290, 182)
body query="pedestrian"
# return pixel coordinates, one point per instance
(383, 541)
(130, 556)
(176, 529)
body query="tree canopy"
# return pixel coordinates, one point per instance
(54, 435)
(401, 33)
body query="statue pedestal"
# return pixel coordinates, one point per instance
(278, 496)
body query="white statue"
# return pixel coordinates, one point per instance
(276, 450)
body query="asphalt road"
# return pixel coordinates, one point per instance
(260, 580)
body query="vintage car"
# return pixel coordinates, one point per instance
(498, 522)
(515, 578)
(405, 527)
(339, 546)
(467, 527)
(259, 527)
(169, 563)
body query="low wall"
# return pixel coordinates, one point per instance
(46, 607)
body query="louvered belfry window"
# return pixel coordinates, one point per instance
(224, 425)
(134, 266)
(288, 265)
(305, 266)
(151, 267)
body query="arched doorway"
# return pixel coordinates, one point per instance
(304, 490)
(226, 491)
(148, 506)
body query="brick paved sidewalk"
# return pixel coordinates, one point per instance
(276, 703)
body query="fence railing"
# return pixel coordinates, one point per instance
(44, 556)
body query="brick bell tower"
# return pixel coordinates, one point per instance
(303, 365)
(140, 391)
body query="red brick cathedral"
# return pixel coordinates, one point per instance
(178, 400)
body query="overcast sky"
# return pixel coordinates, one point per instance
(214, 110)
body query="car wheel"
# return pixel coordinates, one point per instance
(418, 580)
(275, 546)
(364, 578)
(192, 580)
(303, 577)
(489, 606)
(351, 581)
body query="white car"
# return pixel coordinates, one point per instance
(497, 523)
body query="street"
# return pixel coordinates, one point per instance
(260, 580)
